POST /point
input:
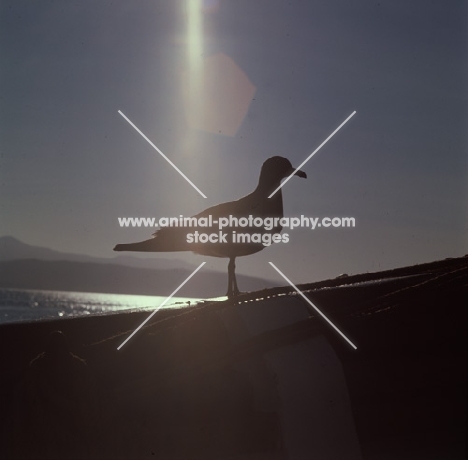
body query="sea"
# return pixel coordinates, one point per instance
(17, 305)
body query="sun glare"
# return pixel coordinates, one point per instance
(194, 52)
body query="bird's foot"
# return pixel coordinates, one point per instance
(233, 293)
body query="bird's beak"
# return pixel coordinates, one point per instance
(301, 174)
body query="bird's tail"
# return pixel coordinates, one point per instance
(162, 242)
(142, 246)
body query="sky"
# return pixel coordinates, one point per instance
(219, 87)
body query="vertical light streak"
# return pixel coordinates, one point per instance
(194, 55)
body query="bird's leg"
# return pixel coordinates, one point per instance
(232, 282)
(230, 272)
(235, 289)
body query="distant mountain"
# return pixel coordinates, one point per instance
(23, 266)
(113, 278)
(14, 249)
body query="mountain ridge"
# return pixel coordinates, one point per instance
(117, 279)
(12, 248)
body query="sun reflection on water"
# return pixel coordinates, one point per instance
(28, 305)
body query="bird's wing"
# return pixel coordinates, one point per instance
(170, 239)
(241, 207)
(235, 208)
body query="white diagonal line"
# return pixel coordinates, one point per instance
(313, 153)
(312, 305)
(165, 157)
(154, 312)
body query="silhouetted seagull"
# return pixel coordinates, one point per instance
(256, 204)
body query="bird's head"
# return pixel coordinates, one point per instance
(275, 169)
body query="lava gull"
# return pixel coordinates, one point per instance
(232, 240)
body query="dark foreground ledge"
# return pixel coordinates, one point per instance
(259, 379)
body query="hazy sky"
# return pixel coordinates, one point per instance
(70, 164)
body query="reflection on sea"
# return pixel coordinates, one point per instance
(30, 305)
